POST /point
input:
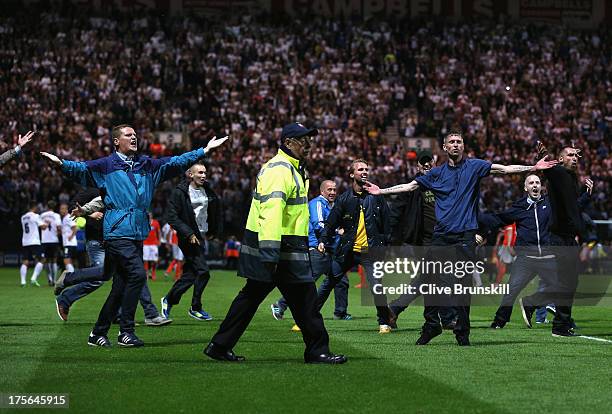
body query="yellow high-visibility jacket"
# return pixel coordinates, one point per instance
(277, 226)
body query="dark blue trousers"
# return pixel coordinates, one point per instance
(524, 269)
(124, 261)
(82, 282)
(453, 247)
(562, 292)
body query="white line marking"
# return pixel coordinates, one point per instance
(595, 339)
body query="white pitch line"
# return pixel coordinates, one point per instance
(595, 339)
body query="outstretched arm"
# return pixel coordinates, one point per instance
(517, 169)
(170, 167)
(85, 173)
(401, 188)
(12, 153)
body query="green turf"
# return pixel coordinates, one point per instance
(510, 370)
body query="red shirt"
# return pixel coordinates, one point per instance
(174, 239)
(509, 235)
(153, 238)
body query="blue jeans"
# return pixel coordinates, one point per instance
(541, 314)
(95, 251)
(95, 278)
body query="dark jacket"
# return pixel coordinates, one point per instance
(93, 228)
(406, 218)
(345, 215)
(532, 225)
(181, 217)
(562, 185)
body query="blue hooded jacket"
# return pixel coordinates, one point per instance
(128, 192)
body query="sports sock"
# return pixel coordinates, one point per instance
(171, 266)
(37, 269)
(23, 271)
(50, 274)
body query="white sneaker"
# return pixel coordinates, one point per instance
(384, 329)
(158, 321)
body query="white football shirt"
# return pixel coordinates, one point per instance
(29, 224)
(54, 221)
(67, 225)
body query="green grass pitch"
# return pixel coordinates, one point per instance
(505, 371)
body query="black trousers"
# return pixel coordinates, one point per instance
(195, 273)
(524, 269)
(447, 314)
(367, 262)
(123, 260)
(562, 292)
(302, 300)
(450, 247)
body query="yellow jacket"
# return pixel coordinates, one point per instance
(277, 226)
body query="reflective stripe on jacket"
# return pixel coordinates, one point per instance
(277, 226)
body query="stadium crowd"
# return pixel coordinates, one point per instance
(72, 75)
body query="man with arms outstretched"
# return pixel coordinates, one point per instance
(127, 181)
(456, 187)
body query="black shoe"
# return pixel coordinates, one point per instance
(392, 318)
(427, 335)
(563, 333)
(326, 359)
(573, 324)
(129, 339)
(214, 351)
(497, 324)
(98, 340)
(527, 312)
(449, 326)
(463, 340)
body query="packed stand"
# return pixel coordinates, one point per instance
(506, 86)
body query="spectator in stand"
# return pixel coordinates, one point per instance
(505, 84)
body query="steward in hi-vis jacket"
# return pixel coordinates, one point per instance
(274, 253)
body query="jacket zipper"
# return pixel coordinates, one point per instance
(116, 224)
(535, 213)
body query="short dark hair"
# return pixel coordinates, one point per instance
(116, 132)
(568, 147)
(199, 162)
(453, 132)
(357, 161)
(51, 205)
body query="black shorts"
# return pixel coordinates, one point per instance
(70, 252)
(32, 252)
(50, 250)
